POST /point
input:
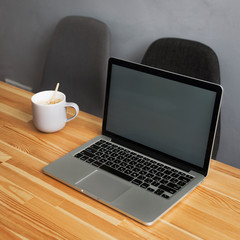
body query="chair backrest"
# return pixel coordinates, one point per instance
(77, 59)
(185, 57)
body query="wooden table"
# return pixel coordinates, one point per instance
(35, 206)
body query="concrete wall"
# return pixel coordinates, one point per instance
(26, 27)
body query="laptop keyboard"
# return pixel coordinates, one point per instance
(158, 178)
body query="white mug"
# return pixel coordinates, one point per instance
(51, 117)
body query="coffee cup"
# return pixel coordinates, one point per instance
(51, 116)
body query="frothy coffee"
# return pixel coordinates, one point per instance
(56, 100)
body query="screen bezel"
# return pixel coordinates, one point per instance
(172, 77)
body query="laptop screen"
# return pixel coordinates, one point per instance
(166, 112)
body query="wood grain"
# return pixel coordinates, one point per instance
(35, 206)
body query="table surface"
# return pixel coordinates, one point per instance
(35, 206)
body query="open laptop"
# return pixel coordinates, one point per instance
(156, 143)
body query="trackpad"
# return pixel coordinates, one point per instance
(102, 186)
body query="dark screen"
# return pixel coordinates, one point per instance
(166, 115)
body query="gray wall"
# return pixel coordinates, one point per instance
(27, 25)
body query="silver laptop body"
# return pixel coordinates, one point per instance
(156, 143)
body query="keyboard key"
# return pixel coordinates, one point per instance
(174, 180)
(115, 166)
(102, 160)
(159, 174)
(134, 174)
(147, 163)
(175, 175)
(120, 157)
(137, 182)
(167, 172)
(163, 181)
(144, 185)
(148, 180)
(143, 172)
(126, 160)
(95, 146)
(78, 155)
(149, 175)
(123, 164)
(157, 179)
(166, 177)
(104, 155)
(116, 172)
(141, 177)
(142, 161)
(121, 169)
(153, 171)
(99, 142)
(146, 168)
(159, 192)
(96, 157)
(130, 167)
(102, 150)
(91, 150)
(90, 160)
(165, 196)
(181, 183)
(167, 167)
(97, 164)
(105, 145)
(109, 163)
(167, 189)
(114, 154)
(155, 183)
(150, 189)
(184, 179)
(117, 161)
(86, 153)
(98, 154)
(139, 165)
(107, 152)
(173, 186)
(136, 170)
(128, 171)
(133, 163)
(84, 158)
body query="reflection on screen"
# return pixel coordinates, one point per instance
(165, 115)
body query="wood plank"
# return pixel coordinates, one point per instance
(224, 168)
(160, 230)
(15, 90)
(4, 157)
(30, 187)
(28, 223)
(103, 224)
(65, 222)
(216, 215)
(224, 183)
(14, 191)
(15, 113)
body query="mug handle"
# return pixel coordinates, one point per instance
(73, 105)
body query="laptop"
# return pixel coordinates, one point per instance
(157, 138)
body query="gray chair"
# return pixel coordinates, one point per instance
(77, 59)
(185, 57)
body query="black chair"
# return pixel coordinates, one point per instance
(77, 59)
(185, 57)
